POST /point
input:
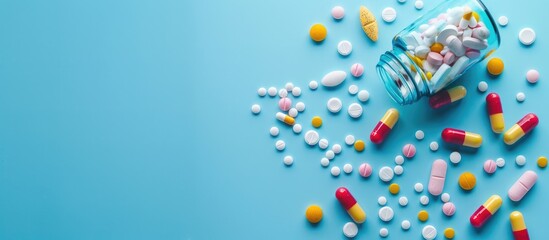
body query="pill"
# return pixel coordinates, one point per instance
(455, 45)
(495, 66)
(384, 126)
(399, 159)
(433, 146)
(495, 112)
(399, 170)
(282, 93)
(403, 201)
(480, 33)
(324, 162)
(474, 43)
(256, 109)
(350, 229)
(336, 148)
(313, 214)
(467, 181)
(357, 70)
(449, 233)
(503, 20)
(418, 187)
(369, 23)
(455, 157)
(288, 160)
(421, 51)
(527, 36)
(449, 58)
(285, 118)
(519, 189)
(409, 150)
(521, 97)
(365, 170)
(419, 135)
(353, 89)
(520, 160)
(490, 166)
(381, 200)
(338, 12)
(262, 92)
(423, 216)
(334, 105)
(446, 97)
(448, 30)
(330, 154)
(438, 177)
(292, 112)
(449, 209)
(386, 214)
(349, 139)
(486, 211)
(359, 145)
(349, 203)
(323, 143)
(318, 32)
(520, 232)
(388, 14)
(542, 162)
(424, 200)
(435, 59)
(500, 162)
(335, 171)
(316, 121)
(363, 95)
(333, 78)
(272, 91)
(296, 91)
(289, 86)
(472, 53)
(418, 4)
(445, 197)
(285, 103)
(311, 137)
(313, 85)
(386, 174)
(394, 188)
(354, 110)
(344, 48)
(280, 145)
(521, 128)
(460, 137)
(300, 106)
(383, 232)
(532, 76)
(405, 225)
(429, 232)
(274, 131)
(347, 168)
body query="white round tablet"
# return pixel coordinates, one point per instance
(300, 106)
(482, 86)
(313, 85)
(335, 171)
(398, 170)
(344, 48)
(527, 36)
(336, 148)
(363, 95)
(445, 197)
(350, 229)
(256, 109)
(383, 232)
(424, 200)
(500, 162)
(288, 160)
(297, 128)
(388, 14)
(274, 131)
(323, 143)
(520, 160)
(354, 110)
(429, 232)
(433, 146)
(272, 91)
(347, 168)
(292, 112)
(521, 97)
(405, 225)
(399, 159)
(503, 20)
(386, 214)
(311, 137)
(403, 201)
(330, 154)
(455, 157)
(296, 92)
(420, 135)
(334, 105)
(532, 76)
(386, 174)
(282, 93)
(324, 162)
(381, 201)
(418, 187)
(418, 4)
(353, 89)
(289, 86)
(280, 145)
(349, 140)
(262, 92)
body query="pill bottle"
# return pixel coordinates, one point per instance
(437, 49)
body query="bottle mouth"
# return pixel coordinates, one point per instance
(397, 79)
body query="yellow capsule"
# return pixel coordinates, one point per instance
(498, 124)
(285, 118)
(493, 204)
(517, 221)
(457, 93)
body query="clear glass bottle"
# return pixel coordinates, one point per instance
(437, 49)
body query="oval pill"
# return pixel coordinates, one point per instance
(522, 186)
(438, 177)
(334, 78)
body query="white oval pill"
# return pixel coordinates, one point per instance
(274, 131)
(386, 174)
(520, 160)
(344, 48)
(399, 159)
(323, 143)
(429, 232)
(350, 229)
(335, 171)
(256, 109)
(399, 170)
(445, 197)
(324, 162)
(527, 36)
(334, 105)
(330, 154)
(403, 201)
(300, 106)
(482, 86)
(503, 20)
(349, 140)
(383, 232)
(296, 91)
(297, 128)
(262, 92)
(405, 225)
(500, 162)
(418, 187)
(424, 200)
(381, 201)
(420, 135)
(355, 110)
(313, 85)
(272, 91)
(388, 14)
(521, 97)
(336, 148)
(353, 89)
(363, 95)
(280, 145)
(347, 168)
(311, 137)
(288, 160)
(455, 157)
(386, 214)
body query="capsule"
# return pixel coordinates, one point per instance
(447, 96)
(348, 202)
(285, 118)
(519, 226)
(521, 128)
(495, 111)
(384, 126)
(486, 211)
(461, 137)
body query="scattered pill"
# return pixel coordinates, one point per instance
(282, 93)
(455, 157)
(384, 126)
(482, 86)
(521, 97)
(490, 166)
(357, 70)
(353, 89)
(503, 20)
(334, 105)
(324, 162)
(519, 189)
(272, 91)
(349, 203)
(495, 112)
(495, 66)
(433, 146)
(285, 118)
(409, 150)
(383, 232)
(311, 137)
(386, 214)
(446, 97)
(423, 215)
(318, 32)
(333, 78)
(520, 232)
(256, 109)
(349, 139)
(382, 200)
(296, 92)
(350, 229)
(285, 104)
(386, 174)
(486, 211)
(369, 23)
(262, 92)
(289, 86)
(338, 12)
(418, 187)
(460, 137)
(316, 121)
(335, 171)
(449, 233)
(403, 201)
(405, 225)
(394, 188)
(292, 112)
(418, 4)
(420, 135)
(467, 181)
(542, 162)
(300, 106)
(323, 143)
(274, 131)
(288, 160)
(280, 145)
(527, 36)
(359, 145)
(399, 170)
(354, 110)
(429, 232)
(363, 95)
(445, 197)
(344, 48)
(347, 168)
(532, 76)
(313, 214)
(500, 162)
(438, 177)
(313, 85)
(424, 200)
(521, 128)
(389, 14)
(365, 170)
(330, 154)
(449, 209)
(399, 159)
(336, 148)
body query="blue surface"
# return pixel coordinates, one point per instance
(131, 120)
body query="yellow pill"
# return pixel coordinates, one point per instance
(449, 233)
(429, 75)
(359, 145)
(542, 162)
(476, 16)
(467, 181)
(495, 66)
(317, 121)
(436, 47)
(423, 216)
(394, 188)
(318, 32)
(313, 214)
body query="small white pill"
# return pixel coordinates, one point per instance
(354, 110)
(527, 36)
(455, 157)
(262, 92)
(418, 187)
(482, 86)
(532, 76)
(335, 171)
(274, 131)
(424, 200)
(386, 174)
(292, 112)
(500, 162)
(330, 154)
(336, 148)
(420, 135)
(503, 20)
(353, 89)
(313, 85)
(334, 105)
(429, 232)
(297, 128)
(350, 229)
(272, 91)
(399, 170)
(433, 146)
(389, 14)
(405, 225)
(288, 160)
(445, 197)
(323, 143)
(386, 214)
(311, 137)
(349, 140)
(403, 201)
(282, 93)
(324, 162)
(300, 106)
(289, 86)
(521, 97)
(383, 232)
(363, 95)
(399, 159)
(347, 168)
(520, 160)
(418, 4)
(344, 48)
(296, 92)
(382, 200)
(280, 145)
(256, 109)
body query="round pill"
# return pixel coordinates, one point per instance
(274, 131)
(292, 112)
(388, 14)
(272, 91)
(336, 148)
(420, 135)
(324, 162)
(280, 145)
(344, 48)
(383, 232)
(313, 214)
(262, 92)
(288, 160)
(403, 201)
(423, 215)
(316, 121)
(490, 166)
(449, 233)
(323, 143)
(503, 20)
(542, 162)
(353, 89)
(520, 160)
(418, 187)
(399, 159)
(338, 12)
(527, 36)
(467, 181)
(532, 76)
(433, 146)
(359, 145)
(448, 209)
(394, 188)
(365, 170)
(482, 86)
(409, 150)
(296, 92)
(282, 93)
(521, 97)
(334, 105)
(500, 162)
(405, 225)
(455, 157)
(350, 229)
(335, 171)
(382, 200)
(386, 214)
(311, 137)
(386, 174)
(300, 106)
(354, 110)
(285, 103)
(429, 232)
(289, 86)
(318, 32)
(347, 168)
(445, 197)
(330, 154)
(313, 85)
(363, 95)
(256, 109)
(424, 200)
(349, 140)
(297, 128)
(399, 170)
(357, 70)
(495, 66)
(418, 4)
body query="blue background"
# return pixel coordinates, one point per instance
(131, 120)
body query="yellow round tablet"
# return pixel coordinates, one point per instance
(542, 162)
(467, 181)
(423, 215)
(313, 214)
(449, 233)
(317, 121)
(359, 145)
(495, 66)
(394, 188)
(318, 32)
(436, 47)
